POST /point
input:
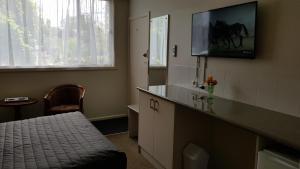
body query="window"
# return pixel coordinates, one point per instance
(56, 33)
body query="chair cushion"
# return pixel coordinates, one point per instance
(65, 108)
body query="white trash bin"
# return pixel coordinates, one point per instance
(194, 157)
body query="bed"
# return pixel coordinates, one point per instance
(60, 141)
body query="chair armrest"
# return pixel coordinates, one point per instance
(82, 94)
(46, 96)
(81, 105)
(49, 94)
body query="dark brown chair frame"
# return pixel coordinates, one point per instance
(48, 101)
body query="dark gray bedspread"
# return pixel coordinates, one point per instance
(61, 141)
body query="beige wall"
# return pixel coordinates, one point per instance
(271, 80)
(106, 89)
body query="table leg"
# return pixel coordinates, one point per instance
(18, 114)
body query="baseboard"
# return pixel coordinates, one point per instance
(126, 132)
(107, 117)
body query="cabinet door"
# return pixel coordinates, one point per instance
(164, 133)
(146, 117)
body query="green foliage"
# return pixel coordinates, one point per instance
(4, 20)
(53, 45)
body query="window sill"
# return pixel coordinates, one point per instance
(53, 69)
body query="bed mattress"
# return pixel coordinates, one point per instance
(60, 141)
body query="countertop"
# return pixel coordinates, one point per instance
(275, 125)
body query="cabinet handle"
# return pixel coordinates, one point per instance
(151, 104)
(156, 106)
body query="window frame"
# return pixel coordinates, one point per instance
(54, 69)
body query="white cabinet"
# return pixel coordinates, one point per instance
(146, 120)
(156, 128)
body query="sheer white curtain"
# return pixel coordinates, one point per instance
(56, 33)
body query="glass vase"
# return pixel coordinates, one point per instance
(210, 90)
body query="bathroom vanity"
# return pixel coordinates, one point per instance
(232, 133)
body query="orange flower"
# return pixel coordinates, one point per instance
(211, 81)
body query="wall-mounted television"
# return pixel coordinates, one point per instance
(225, 32)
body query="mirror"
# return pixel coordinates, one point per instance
(158, 61)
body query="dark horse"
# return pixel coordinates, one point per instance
(225, 33)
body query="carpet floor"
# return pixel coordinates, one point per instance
(130, 147)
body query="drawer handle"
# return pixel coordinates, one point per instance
(152, 104)
(156, 106)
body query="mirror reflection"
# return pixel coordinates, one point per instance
(159, 30)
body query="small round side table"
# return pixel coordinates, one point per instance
(17, 106)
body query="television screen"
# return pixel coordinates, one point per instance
(225, 32)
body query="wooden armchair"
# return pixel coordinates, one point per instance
(64, 98)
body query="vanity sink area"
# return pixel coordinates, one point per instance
(224, 128)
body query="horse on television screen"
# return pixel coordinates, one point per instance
(227, 34)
